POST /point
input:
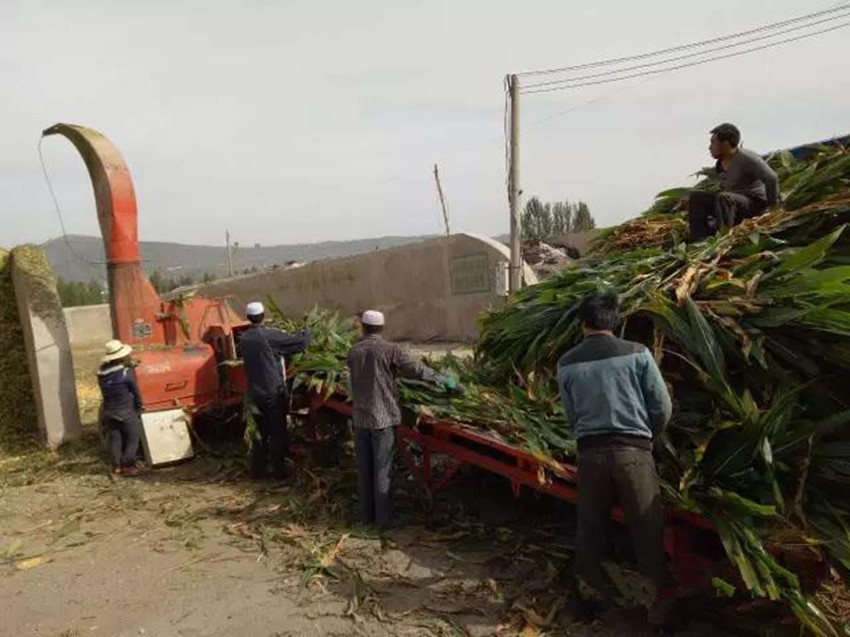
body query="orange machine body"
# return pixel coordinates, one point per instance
(185, 347)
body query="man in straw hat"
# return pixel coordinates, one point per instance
(263, 353)
(373, 364)
(122, 405)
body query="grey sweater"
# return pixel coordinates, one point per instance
(749, 175)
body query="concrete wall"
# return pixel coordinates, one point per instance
(88, 325)
(431, 290)
(51, 367)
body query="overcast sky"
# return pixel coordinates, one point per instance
(301, 121)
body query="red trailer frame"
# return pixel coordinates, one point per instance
(688, 537)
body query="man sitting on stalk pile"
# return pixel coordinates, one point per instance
(373, 364)
(263, 350)
(617, 402)
(748, 186)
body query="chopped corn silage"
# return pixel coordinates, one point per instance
(18, 420)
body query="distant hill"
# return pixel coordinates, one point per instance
(80, 258)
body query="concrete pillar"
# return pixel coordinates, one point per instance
(51, 366)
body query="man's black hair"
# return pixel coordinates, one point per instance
(727, 133)
(256, 319)
(600, 311)
(372, 329)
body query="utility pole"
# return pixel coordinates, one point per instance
(514, 190)
(229, 253)
(442, 200)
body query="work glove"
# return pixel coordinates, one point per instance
(452, 386)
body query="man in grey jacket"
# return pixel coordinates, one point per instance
(748, 186)
(617, 402)
(373, 364)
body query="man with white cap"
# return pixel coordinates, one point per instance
(373, 364)
(122, 404)
(263, 352)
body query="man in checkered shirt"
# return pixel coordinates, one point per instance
(373, 364)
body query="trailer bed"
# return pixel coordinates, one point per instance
(690, 541)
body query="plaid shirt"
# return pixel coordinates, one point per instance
(373, 364)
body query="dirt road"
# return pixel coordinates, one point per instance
(195, 550)
(198, 550)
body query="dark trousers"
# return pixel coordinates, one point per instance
(123, 433)
(625, 475)
(708, 212)
(375, 450)
(272, 444)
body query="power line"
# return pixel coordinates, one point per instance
(769, 36)
(692, 45)
(689, 64)
(73, 252)
(590, 102)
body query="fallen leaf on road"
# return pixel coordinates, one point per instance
(25, 565)
(330, 557)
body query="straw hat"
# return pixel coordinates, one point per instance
(115, 350)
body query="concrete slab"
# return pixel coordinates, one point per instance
(51, 366)
(88, 325)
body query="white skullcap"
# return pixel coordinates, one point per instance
(373, 318)
(254, 309)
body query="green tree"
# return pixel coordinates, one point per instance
(543, 220)
(562, 217)
(536, 220)
(582, 219)
(67, 292)
(158, 281)
(94, 292)
(76, 293)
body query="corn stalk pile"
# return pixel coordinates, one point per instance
(752, 331)
(528, 414)
(821, 176)
(322, 367)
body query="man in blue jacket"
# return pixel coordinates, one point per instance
(263, 351)
(121, 409)
(617, 402)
